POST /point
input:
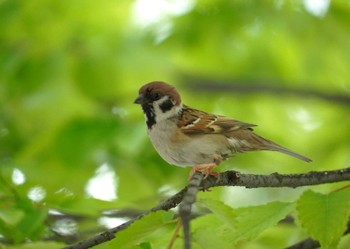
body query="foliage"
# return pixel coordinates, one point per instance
(249, 222)
(74, 154)
(327, 225)
(140, 231)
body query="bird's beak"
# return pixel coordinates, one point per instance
(140, 100)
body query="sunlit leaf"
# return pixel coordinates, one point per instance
(324, 216)
(209, 231)
(40, 245)
(139, 231)
(249, 222)
(32, 225)
(11, 216)
(225, 213)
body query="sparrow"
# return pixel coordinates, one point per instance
(187, 137)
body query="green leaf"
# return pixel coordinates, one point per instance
(32, 224)
(40, 245)
(9, 219)
(224, 212)
(139, 230)
(251, 221)
(210, 232)
(81, 137)
(145, 245)
(324, 216)
(11, 216)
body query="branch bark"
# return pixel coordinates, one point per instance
(228, 178)
(234, 178)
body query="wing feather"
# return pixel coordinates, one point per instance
(195, 122)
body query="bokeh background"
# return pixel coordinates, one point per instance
(73, 145)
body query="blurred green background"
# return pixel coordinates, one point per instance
(73, 144)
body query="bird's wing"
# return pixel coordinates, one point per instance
(195, 122)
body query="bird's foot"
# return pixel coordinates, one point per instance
(205, 169)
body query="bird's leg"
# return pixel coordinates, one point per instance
(205, 169)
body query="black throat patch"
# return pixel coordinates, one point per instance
(150, 115)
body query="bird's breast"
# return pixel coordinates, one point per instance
(163, 136)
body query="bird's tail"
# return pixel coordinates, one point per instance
(269, 145)
(289, 152)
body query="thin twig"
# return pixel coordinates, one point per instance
(176, 233)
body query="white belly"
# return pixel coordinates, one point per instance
(161, 139)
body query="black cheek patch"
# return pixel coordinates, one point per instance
(166, 105)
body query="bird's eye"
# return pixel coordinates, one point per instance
(157, 96)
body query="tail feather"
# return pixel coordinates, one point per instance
(289, 152)
(269, 145)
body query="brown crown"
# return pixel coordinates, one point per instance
(161, 88)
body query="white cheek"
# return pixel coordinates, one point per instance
(160, 115)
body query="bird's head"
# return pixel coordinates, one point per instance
(159, 102)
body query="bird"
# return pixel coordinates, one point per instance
(188, 137)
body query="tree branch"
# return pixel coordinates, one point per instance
(305, 244)
(228, 178)
(237, 86)
(234, 178)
